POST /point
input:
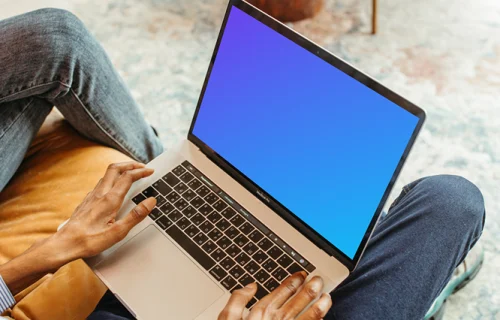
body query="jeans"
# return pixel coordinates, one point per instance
(49, 58)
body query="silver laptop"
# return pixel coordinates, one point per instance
(288, 162)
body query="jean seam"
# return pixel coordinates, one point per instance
(106, 132)
(18, 116)
(33, 87)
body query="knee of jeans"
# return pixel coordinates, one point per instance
(455, 198)
(56, 32)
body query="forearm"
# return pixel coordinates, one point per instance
(34, 263)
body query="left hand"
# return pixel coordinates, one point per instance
(92, 228)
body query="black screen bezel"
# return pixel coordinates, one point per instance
(291, 218)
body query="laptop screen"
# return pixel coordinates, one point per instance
(318, 141)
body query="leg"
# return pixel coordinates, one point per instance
(51, 56)
(413, 252)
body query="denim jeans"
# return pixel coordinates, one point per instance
(49, 58)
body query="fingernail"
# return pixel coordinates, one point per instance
(324, 300)
(251, 285)
(304, 274)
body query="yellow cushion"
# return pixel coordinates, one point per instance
(59, 169)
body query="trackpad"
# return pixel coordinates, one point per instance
(175, 288)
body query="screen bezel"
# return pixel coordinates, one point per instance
(341, 65)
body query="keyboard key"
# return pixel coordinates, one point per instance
(189, 212)
(284, 261)
(181, 204)
(173, 196)
(218, 273)
(197, 202)
(262, 276)
(215, 235)
(246, 228)
(170, 179)
(218, 255)
(241, 240)
(160, 200)
(206, 226)
(246, 279)
(186, 177)
(155, 213)
(242, 259)
(191, 248)
(265, 244)
(269, 265)
(280, 274)
(252, 267)
(214, 217)
(223, 224)
(209, 246)
(255, 236)
(250, 248)
(192, 230)
(224, 242)
(227, 263)
(260, 256)
(167, 208)
(232, 232)
(237, 220)
(219, 205)
(197, 219)
(205, 209)
(271, 284)
(233, 250)
(181, 188)
(189, 195)
(150, 192)
(211, 198)
(183, 223)
(162, 187)
(203, 191)
(138, 198)
(179, 170)
(236, 272)
(294, 267)
(164, 222)
(228, 282)
(194, 184)
(200, 238)
(175, 215)
(261, 292)
(275, 252)
(228, 213)
(251, 303)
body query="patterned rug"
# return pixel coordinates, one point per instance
(442, 55)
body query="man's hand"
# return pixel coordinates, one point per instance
(91, 229)
(274, 306)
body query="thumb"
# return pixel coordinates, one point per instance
(236, 304)
(137, 214)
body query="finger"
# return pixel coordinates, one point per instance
(113, 172)
(281, 294)
(127, 178)
(319, 309)
(136, 215)
(309, 292)
(237, 303)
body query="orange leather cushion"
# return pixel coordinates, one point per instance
(58, 171)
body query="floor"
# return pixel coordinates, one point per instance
(442, 55)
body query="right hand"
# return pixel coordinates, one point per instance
(275, 306)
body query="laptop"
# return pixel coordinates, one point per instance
(289, 160)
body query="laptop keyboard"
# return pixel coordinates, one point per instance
(223, 237)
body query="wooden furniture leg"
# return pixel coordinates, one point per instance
(374, 16)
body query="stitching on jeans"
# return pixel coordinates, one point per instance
(33, 87)
(18, 116)
(102, 129)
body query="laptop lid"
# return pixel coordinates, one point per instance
(315, 139)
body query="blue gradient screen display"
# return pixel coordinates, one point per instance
(321, 143)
